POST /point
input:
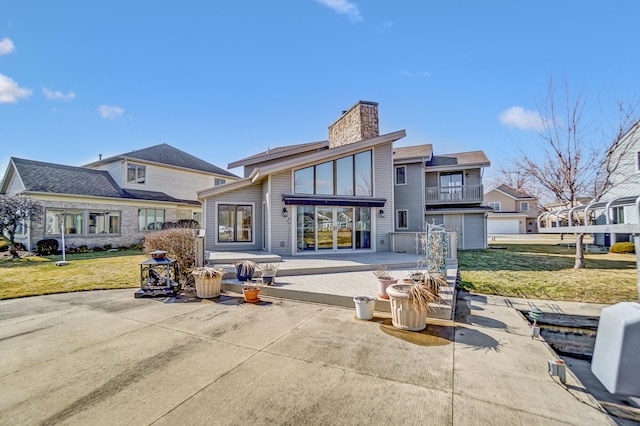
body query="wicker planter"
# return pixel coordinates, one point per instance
(405, 313)
(208, 287)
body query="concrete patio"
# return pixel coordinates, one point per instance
(103, 357)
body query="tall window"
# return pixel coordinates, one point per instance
(402, 219)
(72, 220)
(104, 222)
(235, 223)
(150, 219)
(136, 173)
(495, 205)
(350, 175)
(638, 162)
(401, 175)
(524, 206)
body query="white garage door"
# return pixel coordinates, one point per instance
(503, 226)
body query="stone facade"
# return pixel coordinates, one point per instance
(129, 232)
(358, 123)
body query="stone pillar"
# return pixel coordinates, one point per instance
(357, 123)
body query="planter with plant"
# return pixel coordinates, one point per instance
(410, 303)
(245, 270)
(365, 305)
(208, 281)
(269, 271)
(385, 279)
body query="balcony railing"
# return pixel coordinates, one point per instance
(454, 194)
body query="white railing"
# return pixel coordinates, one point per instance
(454, 194)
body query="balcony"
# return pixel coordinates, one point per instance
(463, 194)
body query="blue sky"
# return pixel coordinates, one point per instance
(223, 80)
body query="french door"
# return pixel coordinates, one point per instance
(332, 229)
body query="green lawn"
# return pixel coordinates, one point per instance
(31, 276)
(541, 271)
(545, 271)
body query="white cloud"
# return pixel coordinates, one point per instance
(10, 92)
(343, 7)
(110, 112)
(51, 94)
(522, 119)
(6, 46)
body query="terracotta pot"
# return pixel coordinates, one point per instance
(208, 287)
(251, 294)
(382, 287)
(405, 312)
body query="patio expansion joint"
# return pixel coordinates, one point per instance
(255, 353)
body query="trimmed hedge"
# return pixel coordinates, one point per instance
(623, 247)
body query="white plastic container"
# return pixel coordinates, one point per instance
(365, 306)
(616, 359)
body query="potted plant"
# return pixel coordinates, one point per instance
(245, 270)
(269, 271)
(208, 281)
(365, 306)
(385, 279)
(410, 302)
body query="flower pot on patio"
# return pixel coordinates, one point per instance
(208, 282)
(251, 294)
(385, 279)
(365, 306)
(245, 270)
(406, 313)
(383, 285)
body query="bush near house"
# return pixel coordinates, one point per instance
(4, 244)
(180, 245)
(47, 247)
(623, 247)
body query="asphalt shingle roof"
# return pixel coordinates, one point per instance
(460, 159)
(52, 178)
(166, 154)
(281, 151)
(416, 151)
(513, 192)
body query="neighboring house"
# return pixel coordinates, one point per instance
(440, 189)
(513, 211)
(345, 194)
(321, 197)
(113, 201)
(625, 182)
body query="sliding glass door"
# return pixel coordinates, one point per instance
(333, 228)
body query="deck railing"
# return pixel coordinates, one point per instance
(454, 194)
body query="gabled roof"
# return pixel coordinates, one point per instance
(166, 154)
(513, 192)
(471, 158)
(417, 152)
(50, 178)
(280, 152)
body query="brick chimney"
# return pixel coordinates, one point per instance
(357, 123)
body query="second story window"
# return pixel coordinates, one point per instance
(495, 206)
(218, 181)
(524, 206)
(401, 175)
(350, 175)
(136, 173)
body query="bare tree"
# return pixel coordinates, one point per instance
(14, 211)
(572, 161)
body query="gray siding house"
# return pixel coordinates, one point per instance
(443, 189)
(320, 197)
